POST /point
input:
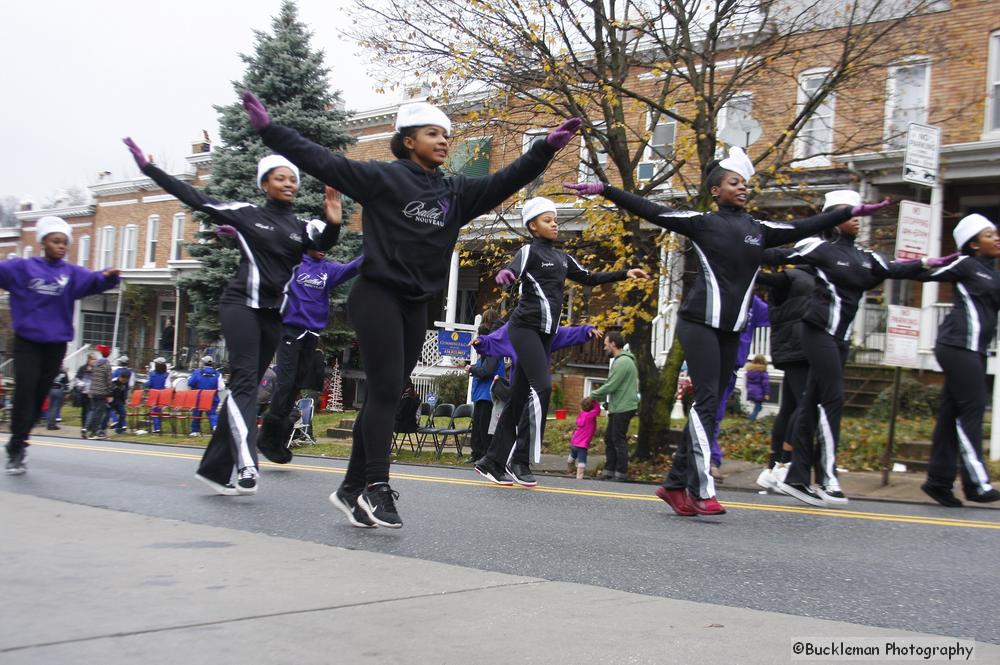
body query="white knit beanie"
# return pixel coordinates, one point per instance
(50, 224)
(535, 207)
(271, 162)
(969, 227)
(840, 197)
(419, 114)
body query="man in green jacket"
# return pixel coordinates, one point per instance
(621, 391)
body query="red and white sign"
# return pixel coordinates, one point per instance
(902, 338)
(913, 233)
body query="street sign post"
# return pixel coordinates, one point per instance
(920, 160)
(913, 232)
(902, 342)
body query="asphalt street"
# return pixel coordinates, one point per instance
(911, 567)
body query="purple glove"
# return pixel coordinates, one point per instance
(866, 209)
(559, 137)
(937, 262)
(259, 119)
(505, 277)
(225, 231)
(585, 188)
(137, 155)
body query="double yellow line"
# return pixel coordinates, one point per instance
(842, 514)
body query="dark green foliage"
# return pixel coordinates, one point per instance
(291, 80)
(916, 400)
(451, 388)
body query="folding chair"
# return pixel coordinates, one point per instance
(158, 403)
(181, 407)
(432, 429)
(405, 427)
(463, 411)
(133, 408)
(300, 430)
(203, 404)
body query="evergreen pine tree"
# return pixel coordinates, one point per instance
(290, 78)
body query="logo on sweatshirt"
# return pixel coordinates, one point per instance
(419, 211)
(547, 264)
(751, 239)
(266, 227)
(313, 282)
(295, 236)
(56, 288)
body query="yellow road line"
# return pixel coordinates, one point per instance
(822, 512)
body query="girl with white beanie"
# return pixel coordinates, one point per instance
(542, 271)
(271, 240)
(43, 290)
(412, 213)
(962, 342)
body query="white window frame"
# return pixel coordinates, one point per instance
(27, 252)
(802, 99)
(83, 252)
(649, 154)
(177, 236)
(992, 106)
(130, 242)
(722, 119)
(528, 139)
(106, 248)
(890, 99)
(152, 240)
(584, 173)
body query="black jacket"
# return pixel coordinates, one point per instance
(790, 291)
(543, 270)
(271, 241)
(843, 273)
(729, 244)
(972, 321)
(411, 216)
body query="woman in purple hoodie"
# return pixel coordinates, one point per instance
(42, 292)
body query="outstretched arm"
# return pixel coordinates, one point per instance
(779, 233)
(572, 336)
(680, 221)
(581, 275)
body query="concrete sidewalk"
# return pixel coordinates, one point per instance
(89, 585)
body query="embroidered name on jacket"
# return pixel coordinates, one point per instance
(263, 226)
(318, 282)
(753, 240)
(56, 288)
(419, 211)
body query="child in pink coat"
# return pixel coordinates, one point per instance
(586, 425)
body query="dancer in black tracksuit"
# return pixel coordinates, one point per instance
(962, 342)
(729, 244)
(843, 273)
(790, 291)
(271, 240)
(412, 214)
(542, 271)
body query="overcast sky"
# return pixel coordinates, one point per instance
(78, 76)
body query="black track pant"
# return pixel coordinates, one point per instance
(793, 388)
(531, 386)
(295, 353)
(35, 367)
(616, 442)
(710, 355)
(958, 434)
(251, 337)
(390, 333)
(482, 413)
(820, 411)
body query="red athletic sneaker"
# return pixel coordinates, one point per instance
(709, 506)
(678, 501)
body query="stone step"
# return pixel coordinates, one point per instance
(346, 424)
(339, 433)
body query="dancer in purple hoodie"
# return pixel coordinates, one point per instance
(42, 292)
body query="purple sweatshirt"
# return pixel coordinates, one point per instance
(42, 293)
(307, 297)
(497, 343)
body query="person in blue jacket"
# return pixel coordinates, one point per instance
(157, 380)
(42, 291)
(486, 370)
(206, 377)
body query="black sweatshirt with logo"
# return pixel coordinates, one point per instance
(729, 244)
(271, 240)
(411, 216)
(543, 270)
(972, 321)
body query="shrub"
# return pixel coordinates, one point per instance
(451, 388)
(916, 400)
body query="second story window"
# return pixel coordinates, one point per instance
(152, 236)
(130, 236)
(83, 252)
(815, 139)
(587, 171)
(906, 95)
(177, 237)
(660, 148)
(106, 251)
(993, 86)
(530, 138)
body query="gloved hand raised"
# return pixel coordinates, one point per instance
(938, 261)
(866, 209)
(140, 159)
(585, 188)
(259, 118)
(559, 137)
(505, 277)
(225, 231)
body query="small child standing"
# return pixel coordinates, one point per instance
(586, 425)
(119, 399)
(758, 384)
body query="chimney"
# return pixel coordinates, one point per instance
(201, 145)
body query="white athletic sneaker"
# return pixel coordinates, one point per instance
(225, 490)
(831, 496)
(779, 473)
(766, 480)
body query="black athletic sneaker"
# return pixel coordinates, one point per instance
(16, 465)
(802, 493)
(988, 496)
(272, 437)
(246, 482)
(942, 495)
(492, 472)
(378, 500)
(347, 503)
(521, 474)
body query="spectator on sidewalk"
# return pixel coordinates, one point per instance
(205, 377)
(586, 426)
(486, 370)
(57, 394)
(758, 384)
(621, 391)
(100, 395)
(119, 398)
(81, 390)
(158, 379)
